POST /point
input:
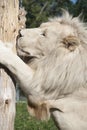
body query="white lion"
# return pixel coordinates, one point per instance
(51, 68)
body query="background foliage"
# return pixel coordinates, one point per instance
(39, 11)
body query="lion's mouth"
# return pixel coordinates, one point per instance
(28, 59)
(25, 56)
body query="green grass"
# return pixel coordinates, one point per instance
(25, 122)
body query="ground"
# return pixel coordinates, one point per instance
(25, 122)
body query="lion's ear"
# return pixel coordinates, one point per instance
(71, 42)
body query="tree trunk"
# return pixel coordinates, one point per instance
(8, 32)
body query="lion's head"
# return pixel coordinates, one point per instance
(57, 50)
(63, 34)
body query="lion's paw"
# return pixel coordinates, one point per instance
(4, 52)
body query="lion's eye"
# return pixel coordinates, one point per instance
(43, 33)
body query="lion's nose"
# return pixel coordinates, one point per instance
(19, 33)
(18, 37)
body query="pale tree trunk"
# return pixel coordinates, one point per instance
(8, 32)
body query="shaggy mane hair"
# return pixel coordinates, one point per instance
(74, 22)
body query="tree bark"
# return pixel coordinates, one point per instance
(8, 31)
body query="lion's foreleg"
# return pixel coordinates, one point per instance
(21, 72)
(23, 75)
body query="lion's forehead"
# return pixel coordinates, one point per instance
(57, 27)
(47, 24)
